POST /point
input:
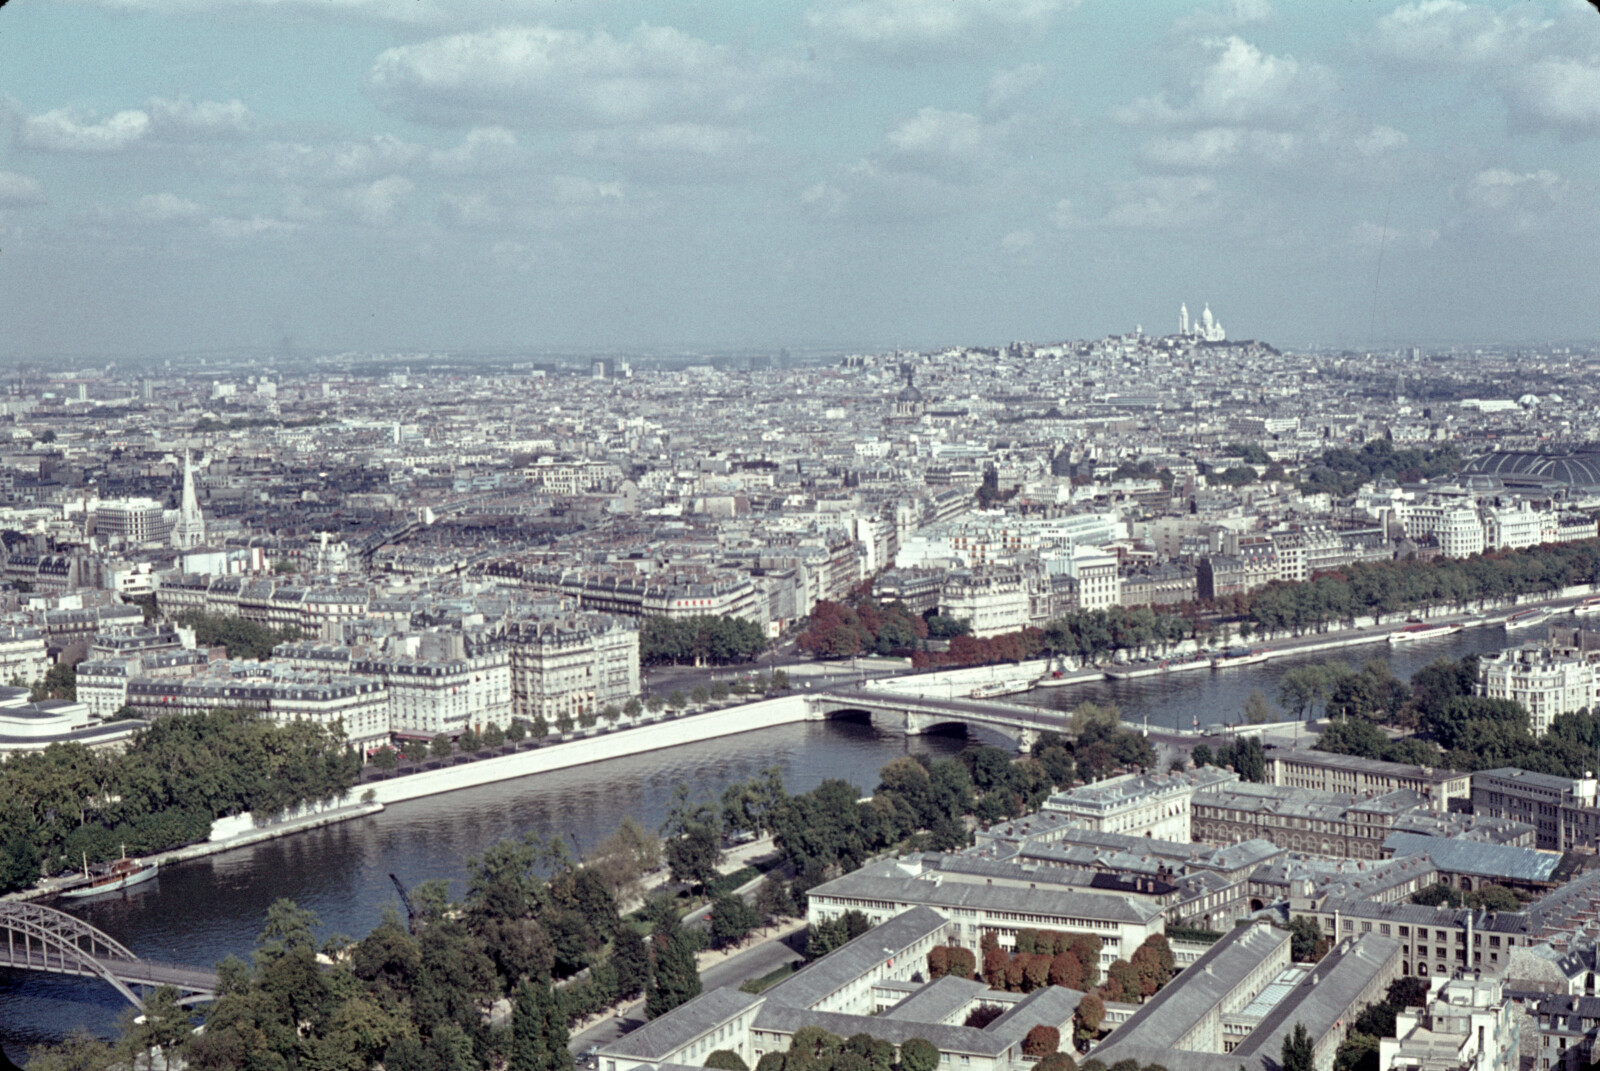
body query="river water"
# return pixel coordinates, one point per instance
(200, 911)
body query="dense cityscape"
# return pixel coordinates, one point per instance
(820, 535)
(246, 602)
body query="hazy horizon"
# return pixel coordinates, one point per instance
(315, 176)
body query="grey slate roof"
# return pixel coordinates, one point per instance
(937, 1001)
(1323, 997)
(658, 1037)
(1052, 1005)
(1167, 1016)
(810, 985)
(949, 894)
(1473, 857)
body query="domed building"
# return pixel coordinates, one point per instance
(908, 404)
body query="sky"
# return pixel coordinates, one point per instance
(190, 176)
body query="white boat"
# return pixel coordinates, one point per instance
(998, 688)
(1588, 607)
(119, 875)
(1527, 618)
(1240, 656)
(1151, 669)
(1424, 632)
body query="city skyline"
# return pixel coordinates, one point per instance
(182, 177)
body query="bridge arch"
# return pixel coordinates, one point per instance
(58, 943)
(38, 938)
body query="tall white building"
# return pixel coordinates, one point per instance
(572, 666)
(429, 696)
(135, 520)
(1546, 681)
(994, 601)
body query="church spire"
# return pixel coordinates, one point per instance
(191, 528)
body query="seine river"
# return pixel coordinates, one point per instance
(200, 911)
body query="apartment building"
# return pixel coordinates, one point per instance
(571, 666)
(1327, 772)
(1562, 809)
(1547, 681)
(1150, 805)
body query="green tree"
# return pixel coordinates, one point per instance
(1304, 936)
(674, 978)
(918, 1054)
(1090, 1014)
(1298, 1052)
(385, 758)
(700, 695)
(1249, 760)
(732, 919)
(725, 1060)
(631, 957)
(441, 746)
(516, 732)
(19, 864)
(676, 700)
(493, 736)
(1257, 711)
(693, 839)
(632, 708)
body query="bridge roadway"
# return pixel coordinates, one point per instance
(37, 938)
(915, 714)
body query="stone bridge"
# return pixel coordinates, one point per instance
(914, 715)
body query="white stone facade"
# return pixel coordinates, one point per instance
(1547, 682)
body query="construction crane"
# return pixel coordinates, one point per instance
(411, 912)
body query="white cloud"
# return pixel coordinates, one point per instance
(696, 139)
(1239, 84)
(1164, 201)
(1455, 34)
(207, 118)
(168, 208)
(342, 162)
(1556, 94)
(377, 203)
(542, 77)
(1545, 70)
(1006, 87)
(1227, 15)
(937, 137)
(1521, 203)
(1380, 140)
(180, 120)
(19, 190)
(65, 130)
(905, 26)
(1497, 188)
(1065, 215)
(485, 148)
(1017, 240)
(823, 198)
(235, 229)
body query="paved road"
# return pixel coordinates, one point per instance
(753, 962)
